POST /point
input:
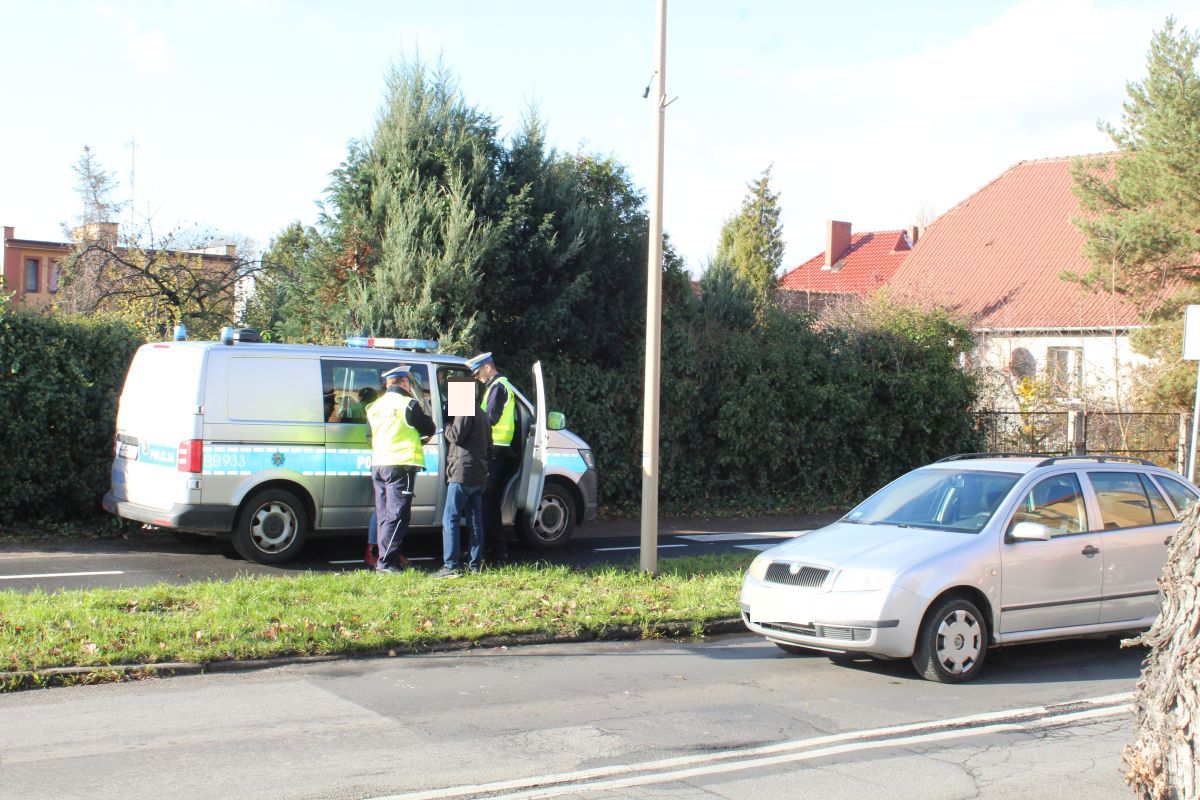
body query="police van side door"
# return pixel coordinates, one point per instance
(537, 449)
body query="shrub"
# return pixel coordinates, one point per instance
(59, 383)
(786, 415)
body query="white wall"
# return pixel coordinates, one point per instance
(1108, 364)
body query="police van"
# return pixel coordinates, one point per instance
(270, 443)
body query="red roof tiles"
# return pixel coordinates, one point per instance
(868, 264)
(997, 255)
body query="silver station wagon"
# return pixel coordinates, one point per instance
(974, 552)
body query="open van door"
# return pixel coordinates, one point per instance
(537, 448)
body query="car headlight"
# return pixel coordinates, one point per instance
(588, 458)
(861, 580)
(758, 567)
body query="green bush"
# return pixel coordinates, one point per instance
(786, 415)
(59, 383)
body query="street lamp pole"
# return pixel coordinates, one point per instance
(649, 542)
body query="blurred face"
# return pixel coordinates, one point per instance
(485, 373)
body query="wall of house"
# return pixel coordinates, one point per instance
(1090, 368)
(47, 256)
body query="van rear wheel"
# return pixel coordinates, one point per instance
(272, 527)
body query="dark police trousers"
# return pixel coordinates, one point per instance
(501, 465)
(393, 509)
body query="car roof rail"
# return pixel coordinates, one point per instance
(997, 454)
(1103, 459)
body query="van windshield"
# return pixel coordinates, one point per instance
(938, 499)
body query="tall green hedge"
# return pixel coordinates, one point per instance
(788, 415)
(59, 383)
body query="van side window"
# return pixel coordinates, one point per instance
(1057, 503)
(444, 374)
(1123, 501)
(1182, 496)
(348, 387)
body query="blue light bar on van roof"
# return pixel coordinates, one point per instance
(419, 345)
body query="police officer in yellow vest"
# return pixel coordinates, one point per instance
(500, 404)
(398, 423)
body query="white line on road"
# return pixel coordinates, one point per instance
(635, 547)
(766, 546)
(683, 767)
(32, 576)
(739, 537)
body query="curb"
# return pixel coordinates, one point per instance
(117, 673)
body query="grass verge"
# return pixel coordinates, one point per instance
(317, 614)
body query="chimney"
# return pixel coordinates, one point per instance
(914, 232)
(837, 241)
(9, 233)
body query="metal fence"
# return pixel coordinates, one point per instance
(1158, 437)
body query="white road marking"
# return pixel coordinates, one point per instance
(681, 768)
(32, 576)
(739, 537)
(635, 547)
(766, 546)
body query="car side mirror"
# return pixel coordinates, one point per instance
(1030, 531)
(556, 420)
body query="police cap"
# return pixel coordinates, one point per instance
(478, 361)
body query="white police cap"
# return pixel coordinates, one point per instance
(400, 371)
(478, 361)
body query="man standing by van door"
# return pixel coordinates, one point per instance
(467, 440)
(398, 424)
(500, 404)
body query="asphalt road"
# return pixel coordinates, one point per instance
(732, 717)
(178, 558)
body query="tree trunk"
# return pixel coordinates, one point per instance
(1162, 760)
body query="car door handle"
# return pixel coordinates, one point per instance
(1167, 541)
(1090, 551)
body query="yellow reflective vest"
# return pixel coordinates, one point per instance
(393, 441)
(506, 426)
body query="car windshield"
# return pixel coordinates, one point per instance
(940, 499)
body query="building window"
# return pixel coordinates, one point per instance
(52, 275)
(1064, 368)
(33, 269)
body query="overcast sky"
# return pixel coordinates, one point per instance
(230, 114)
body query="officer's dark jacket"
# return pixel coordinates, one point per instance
(467, 443)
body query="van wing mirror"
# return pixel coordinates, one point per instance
(1030, 531)
(556, 420)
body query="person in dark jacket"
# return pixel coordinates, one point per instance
(468, 438)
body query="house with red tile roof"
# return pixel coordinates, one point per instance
(997, 258)
(853, 265)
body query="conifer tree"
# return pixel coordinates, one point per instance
(752, 241)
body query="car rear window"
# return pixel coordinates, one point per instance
(1180, 495)
(1123, 500)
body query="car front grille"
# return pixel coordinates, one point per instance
(819, 631)
(807, 577)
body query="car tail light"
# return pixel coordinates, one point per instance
(191, 455)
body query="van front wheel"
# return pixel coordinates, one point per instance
(272, 527)
(555, 520)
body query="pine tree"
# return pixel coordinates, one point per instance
(1144, 228)
(413, 212)
(752, 241)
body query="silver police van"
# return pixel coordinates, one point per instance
(270, 443)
